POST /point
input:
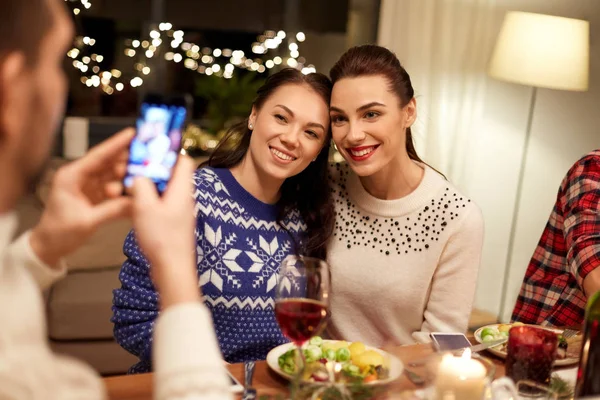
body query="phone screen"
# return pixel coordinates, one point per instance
(450, 341)
(154, 149)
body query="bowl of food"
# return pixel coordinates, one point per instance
(336, 361)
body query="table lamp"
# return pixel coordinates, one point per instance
(541, 51)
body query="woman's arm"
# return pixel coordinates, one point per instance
(135, 304)
(452, 289)
(187, 358)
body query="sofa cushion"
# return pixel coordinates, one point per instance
(79, 306)
(103, 249)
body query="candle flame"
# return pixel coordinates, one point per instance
(466, 355)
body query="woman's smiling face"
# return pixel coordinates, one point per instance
(369, 123)
(288, 131)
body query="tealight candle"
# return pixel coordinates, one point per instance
(460, 378)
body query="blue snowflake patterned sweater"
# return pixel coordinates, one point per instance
(239, 248)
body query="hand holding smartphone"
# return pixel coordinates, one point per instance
(157, 142)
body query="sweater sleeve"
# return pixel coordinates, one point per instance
(580, 201)
(135, 305)
(187, 357)
(453, 286)
(28, 368)
(21, 253)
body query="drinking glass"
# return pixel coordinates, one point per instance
(302, 299)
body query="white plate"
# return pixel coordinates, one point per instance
(396, 366)
(502, 354)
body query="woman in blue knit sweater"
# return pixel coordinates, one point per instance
(262, 195)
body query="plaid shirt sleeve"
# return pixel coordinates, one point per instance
(580, 201)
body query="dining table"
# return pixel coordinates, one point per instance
(270, 385)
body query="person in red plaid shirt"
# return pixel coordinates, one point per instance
(565, 268)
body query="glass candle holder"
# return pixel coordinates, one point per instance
(531, 351)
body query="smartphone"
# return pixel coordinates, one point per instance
(157, 142)
(449, 341)
(236, 386)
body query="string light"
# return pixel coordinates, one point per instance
(136, 82)
(269, 40)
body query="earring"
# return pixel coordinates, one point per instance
(250, 126)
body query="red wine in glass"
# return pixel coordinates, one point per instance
(300, 319)
(302, 301)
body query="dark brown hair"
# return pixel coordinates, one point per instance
(376, 60)
(308, 192)
(23, 25)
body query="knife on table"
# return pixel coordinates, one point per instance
(474, 349)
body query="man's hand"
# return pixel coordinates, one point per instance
(164, 229)
(84, 194)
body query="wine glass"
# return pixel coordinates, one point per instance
(302, 299)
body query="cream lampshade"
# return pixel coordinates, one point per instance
(543, 51)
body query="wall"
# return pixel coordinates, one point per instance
(323, 49)
(566, 125)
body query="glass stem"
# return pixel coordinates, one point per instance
(303, 359)
(295, 390)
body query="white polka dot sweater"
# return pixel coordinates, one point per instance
(240, 246)
(402, 268)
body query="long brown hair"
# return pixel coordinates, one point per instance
(308, 192)
(369, 60)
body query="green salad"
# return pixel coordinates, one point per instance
(346, 362)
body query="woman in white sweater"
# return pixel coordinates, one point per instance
(406, 248)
